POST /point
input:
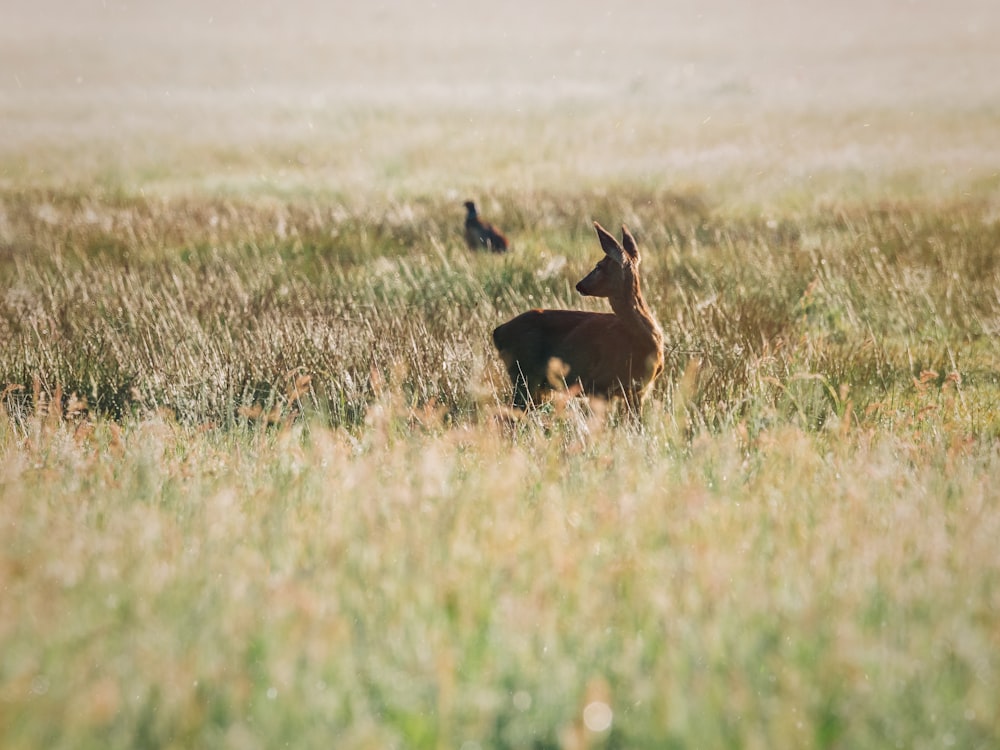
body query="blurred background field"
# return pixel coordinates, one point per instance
(750, 101)
(258, 479)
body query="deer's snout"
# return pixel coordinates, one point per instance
(585, 286)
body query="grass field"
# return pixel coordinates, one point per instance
(259, 484)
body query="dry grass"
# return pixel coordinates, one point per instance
(263, 488)
(258, 482)
(423, 585)
(207, 307)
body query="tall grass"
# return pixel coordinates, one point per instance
(204, 307)
(260, 486)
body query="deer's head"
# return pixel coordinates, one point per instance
(613, 275)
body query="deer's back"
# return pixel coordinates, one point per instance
(543, 327)
(599, 349)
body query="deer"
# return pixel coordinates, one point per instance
(604, 355)
(481, 235)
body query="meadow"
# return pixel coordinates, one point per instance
(260, 484)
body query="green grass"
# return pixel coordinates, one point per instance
(259, 484)
(202, 307)
(280, 501)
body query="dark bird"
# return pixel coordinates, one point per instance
(481, 235)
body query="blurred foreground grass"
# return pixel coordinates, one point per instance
(259, 486)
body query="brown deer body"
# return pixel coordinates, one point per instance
(603, 354)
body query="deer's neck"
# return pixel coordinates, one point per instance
(632, 309)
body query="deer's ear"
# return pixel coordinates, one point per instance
(610, 245)
(628, 244)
